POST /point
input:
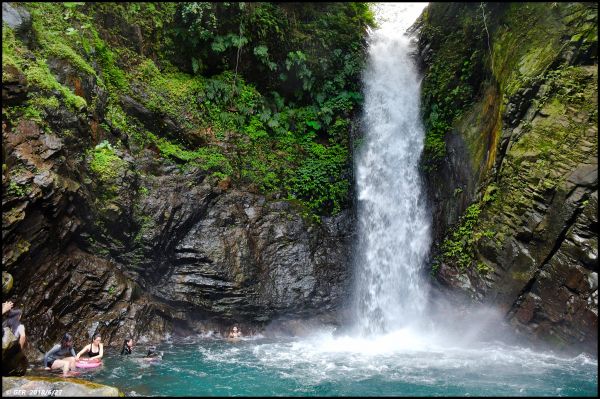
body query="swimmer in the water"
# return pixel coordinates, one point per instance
(152, 354)
(235, 333)
(127, 347)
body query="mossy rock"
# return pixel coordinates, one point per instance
(7, 283)
(52, 386)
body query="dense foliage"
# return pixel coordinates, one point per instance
(259, 94)
(455, 73)
(309, 52)
(306, 59)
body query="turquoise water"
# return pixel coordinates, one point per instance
(342, 366)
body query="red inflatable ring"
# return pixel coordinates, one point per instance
(86, 364)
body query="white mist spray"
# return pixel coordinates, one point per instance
(393, 226)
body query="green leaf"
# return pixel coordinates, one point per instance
(72, 4)
(195, 65)
(314, 124)
(261, 51)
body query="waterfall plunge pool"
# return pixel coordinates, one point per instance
(396, 364)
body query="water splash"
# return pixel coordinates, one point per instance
(393, 226)
(332, 365)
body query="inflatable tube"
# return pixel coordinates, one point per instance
(82, 364)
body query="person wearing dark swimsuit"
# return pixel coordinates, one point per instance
(127, 346)
(93, 355)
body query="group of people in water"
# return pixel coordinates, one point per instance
(63, 355)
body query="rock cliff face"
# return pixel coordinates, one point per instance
(179, 253)
(121, 241)
(515, 194)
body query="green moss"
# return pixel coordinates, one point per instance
(491, 193)
(50, 25)
(521, 276)
(527, 44)
(207, 158)
(112, 75)
(153, 19)
(61, 50)
(176, 95)
(559, 132)
(536, 165)
(10, 53)
(67, 33)
(527, 39)
(38, 74)
(106, 164)
(145, 224)
(144, 191)
(117, 117)
(14, 252)
(49, 103)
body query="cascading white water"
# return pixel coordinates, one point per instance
(393, 226)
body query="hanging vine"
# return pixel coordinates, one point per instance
(239, 50)
(488, 34)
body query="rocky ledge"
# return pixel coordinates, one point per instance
(48, 386)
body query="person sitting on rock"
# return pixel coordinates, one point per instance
(94, 350)
(58, 357)
(235, 333)
(127, 346)
(13, 322)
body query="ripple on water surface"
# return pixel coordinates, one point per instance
(328, 365)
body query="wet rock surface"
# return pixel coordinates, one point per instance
(186, 255)
(237, 256)
(534, 176)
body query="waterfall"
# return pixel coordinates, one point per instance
(393, 223)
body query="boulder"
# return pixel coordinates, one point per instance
(7, 283)
(48, 386)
